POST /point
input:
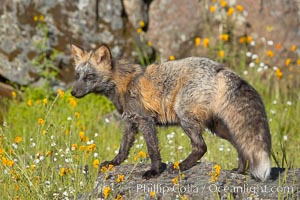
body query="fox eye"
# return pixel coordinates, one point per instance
(90, 76)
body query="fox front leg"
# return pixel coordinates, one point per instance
(127, 141)
(147, 127)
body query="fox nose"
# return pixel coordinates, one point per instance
(73, 93)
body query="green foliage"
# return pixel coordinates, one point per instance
(43, 62)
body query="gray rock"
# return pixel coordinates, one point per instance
(196, 184)
(111, 12)
(136, 10)
(173, 25)
(66, 22)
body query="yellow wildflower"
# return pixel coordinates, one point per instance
(44, 102)
(224, 37)
(223, 3)
(81, 135)
(175, 180)
(103, 169)
(176, 165)
(149, 43)
(182, 175)
(74, 147)
(293, 48)
(106, 192)
(214, 178)
(184, 197)
(142, 154)
(278, 46)
(63, 171)
(82, 148)
(242, 40)
(212, 9)
(221, 54)
(1, 151)
(217, 169)
(61, 93)
(120, 178)
(35, 18)
(152, 194)
(48, 153)
(111, 167)
(41, 121)
(197, 41)
(230, 11)
(13, 94)
(10, 163)
(96, 163)
(7, 162)
(206, 42)
(29, 102)
(249, 39)
(171, 57)
(32, 167)
(278, 73)
(287, 62)
(44, 132)
(77, 114)
(42, 17)
(119, 197)
(142, 24)
(17, 188)
(139, 30)
(239, 8)
(298, 62)
(18, 139)
(270, 53)
(72, 102)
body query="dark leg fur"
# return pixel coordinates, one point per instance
(222, 131)
(147, 127)
(127, 141)
(194, 132)
(241, 166)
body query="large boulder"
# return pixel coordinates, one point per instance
(173, 25)
(88, 23)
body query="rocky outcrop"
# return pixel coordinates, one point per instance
(195, 183)
(178, 23)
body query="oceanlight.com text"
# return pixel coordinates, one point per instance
(213, 188)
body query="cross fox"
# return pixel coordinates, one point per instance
(195, 93)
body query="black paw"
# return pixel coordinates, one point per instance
(237, 171)
(150, 174)
(162, 167)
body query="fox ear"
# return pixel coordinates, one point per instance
(103, 56)
(77, 53)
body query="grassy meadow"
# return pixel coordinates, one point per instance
(51, 144)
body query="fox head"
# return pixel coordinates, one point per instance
(93, 71)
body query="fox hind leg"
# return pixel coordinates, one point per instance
(221, 130)
(194, 131)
